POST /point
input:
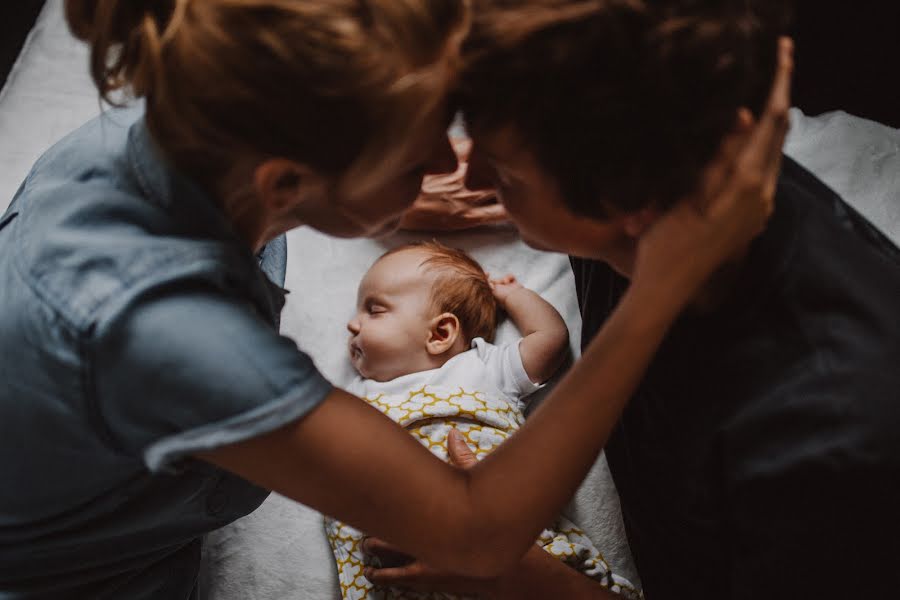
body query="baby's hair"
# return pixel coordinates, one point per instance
(461, 288)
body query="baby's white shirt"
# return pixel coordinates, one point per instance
(495, 371)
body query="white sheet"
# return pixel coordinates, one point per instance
(280, 551)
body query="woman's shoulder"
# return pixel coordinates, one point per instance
(102, 218)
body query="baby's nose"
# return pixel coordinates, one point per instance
(353, 326)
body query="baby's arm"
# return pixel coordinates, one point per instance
(545, 336)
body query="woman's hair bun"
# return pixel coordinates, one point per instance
(124, 37)
(114, 20)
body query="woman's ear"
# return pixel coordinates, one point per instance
(443, 334)
(281, 184)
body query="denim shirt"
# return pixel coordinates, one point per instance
(136, 330)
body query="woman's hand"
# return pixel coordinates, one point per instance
(416, 575)
(734, 199)
(445, 204)
(539, 575)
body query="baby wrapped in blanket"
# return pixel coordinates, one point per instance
(420, 341)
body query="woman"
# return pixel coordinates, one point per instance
(147, 394)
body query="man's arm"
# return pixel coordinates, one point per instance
(545, 336)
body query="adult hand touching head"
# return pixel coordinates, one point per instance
(734, 200)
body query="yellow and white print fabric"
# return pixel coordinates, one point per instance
(428, 413)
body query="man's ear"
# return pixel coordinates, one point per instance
(282, 183)
(442, 334)
(635, 224)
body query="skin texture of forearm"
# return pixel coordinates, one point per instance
(545, 335)
(348, 460)
(563, 438)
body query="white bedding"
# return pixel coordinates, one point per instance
(280, 551)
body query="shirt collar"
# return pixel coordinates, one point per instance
(175, 193)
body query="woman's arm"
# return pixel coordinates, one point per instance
(347, 460)
(538, 575)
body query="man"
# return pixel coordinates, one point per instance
(760, 456)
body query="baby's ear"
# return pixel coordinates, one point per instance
(443, 333)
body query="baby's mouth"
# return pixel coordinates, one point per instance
(355, 351)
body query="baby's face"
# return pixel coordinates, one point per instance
(392, 322)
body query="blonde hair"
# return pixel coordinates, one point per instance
(334, 84)
(461, 288)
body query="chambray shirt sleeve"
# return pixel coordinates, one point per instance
(179, 373)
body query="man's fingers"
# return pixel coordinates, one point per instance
(460, 453)
(462, 146)
(488, 214)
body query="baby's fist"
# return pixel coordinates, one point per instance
(503, 287)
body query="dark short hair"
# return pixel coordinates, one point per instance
(624, 102)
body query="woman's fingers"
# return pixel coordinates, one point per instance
(719, 173)
(387, 553)
(750, 156)
(763, 152)
(460, 453)
(776, 120)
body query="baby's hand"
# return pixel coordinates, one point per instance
(503, 287)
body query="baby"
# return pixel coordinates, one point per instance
(421, 343)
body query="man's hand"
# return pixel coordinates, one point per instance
(445, 204)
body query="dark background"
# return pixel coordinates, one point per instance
(847, 54)
(16, 19)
